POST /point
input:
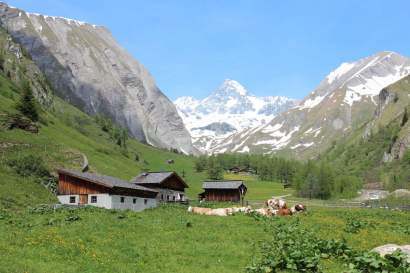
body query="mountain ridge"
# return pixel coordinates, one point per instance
(87, 67)
(345, 99)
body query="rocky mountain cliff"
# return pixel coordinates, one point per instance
(87, 67)
(346, 99)
(229, 109)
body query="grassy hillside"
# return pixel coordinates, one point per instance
(65, 133)
(364, 153)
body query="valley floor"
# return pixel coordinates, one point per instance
(169, 239)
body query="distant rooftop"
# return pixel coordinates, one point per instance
(224, 184)
(155, 178)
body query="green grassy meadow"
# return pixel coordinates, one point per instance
(169, 239)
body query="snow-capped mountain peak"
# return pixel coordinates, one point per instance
(361, 79)
(231, 87)
(230, 108)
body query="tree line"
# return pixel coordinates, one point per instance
(312, 179)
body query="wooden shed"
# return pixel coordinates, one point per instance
(226, 191)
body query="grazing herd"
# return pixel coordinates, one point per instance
(274, 207)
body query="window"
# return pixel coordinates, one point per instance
(72, 199)
(93, 199)
(145, 201)
(173, 198)
(167, 197)
(162, 196)
(134, 200)
(122, 200)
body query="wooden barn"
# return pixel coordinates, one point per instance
(78, 188)
(170, 185)
(228, 191)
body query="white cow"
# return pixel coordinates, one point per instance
(220, 212)
(241, 209)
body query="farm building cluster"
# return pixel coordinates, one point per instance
(146, 190)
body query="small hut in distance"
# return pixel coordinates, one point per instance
(223, 191)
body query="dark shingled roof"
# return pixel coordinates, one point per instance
(107, 181)
(231, 184)
(155, 178)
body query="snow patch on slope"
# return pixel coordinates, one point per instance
(340, 71)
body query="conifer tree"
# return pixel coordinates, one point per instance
(405, 118)
(27, 104)
(215, 170)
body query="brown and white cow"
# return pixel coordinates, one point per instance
(275, 203)
(284, 212)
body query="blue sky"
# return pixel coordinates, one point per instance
(271, 47)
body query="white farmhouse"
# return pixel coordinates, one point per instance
(77, 188)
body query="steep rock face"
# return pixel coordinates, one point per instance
(20, 69)
(87, 67)
(346, 99)
(394, 106)
(229, 109)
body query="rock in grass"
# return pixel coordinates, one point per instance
(390, 248)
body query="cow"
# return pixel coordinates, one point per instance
(220, 212)
(300, 207)
(241, 209)
(284, 212)
(198, 210)
(276, 203)
(264, 211)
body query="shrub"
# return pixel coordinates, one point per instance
(292, 248)
(29, 165)
(118, 134)
(346, 186)
(18, 121)
(73, 218)
(33, 166)
(355, 225)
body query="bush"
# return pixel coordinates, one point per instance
(291, 248)
(355, 225)
(29, 165)
(33, 166)
(18, 121)
(346, 186)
